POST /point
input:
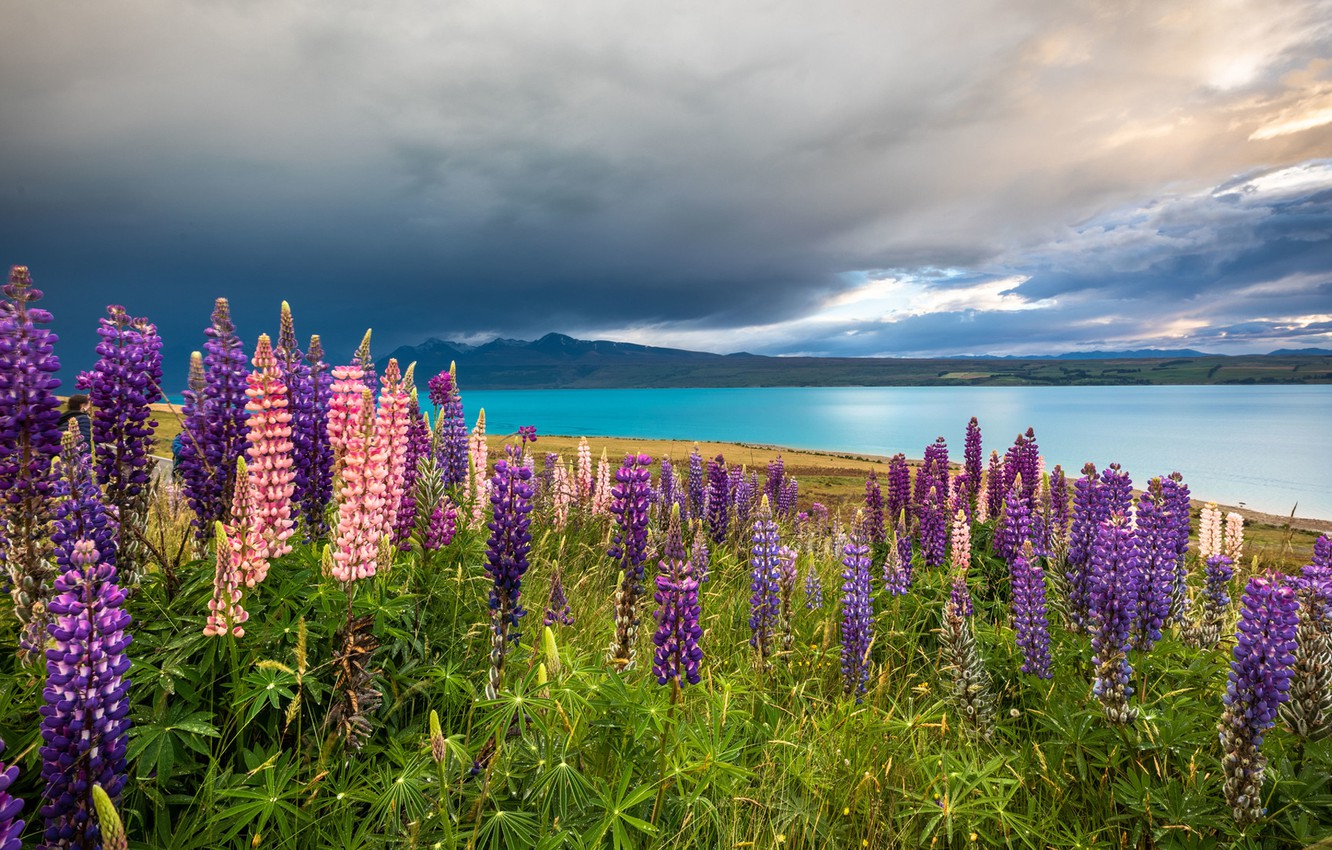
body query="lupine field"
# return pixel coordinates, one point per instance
(345, 623)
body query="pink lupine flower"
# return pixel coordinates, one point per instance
(982, 510)
(390, 441)
(241, 559)
(272, 474)
(344, 408)
(583, 474)
(360, 500)
(601, 495)
(1234, 535)
(1209, 532)
(480, 455)
(961, 542)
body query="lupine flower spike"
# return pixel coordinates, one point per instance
(764, 570)
(1114, 601)
(1029, 613)
(10, 806)
(857, 611)
(270, 461)
(678, 632)
(506, 556)
(629, 550)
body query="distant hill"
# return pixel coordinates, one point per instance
(561, 361)
(1300, 352)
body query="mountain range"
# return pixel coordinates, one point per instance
(559, 361)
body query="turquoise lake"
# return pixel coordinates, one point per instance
(1267, 447)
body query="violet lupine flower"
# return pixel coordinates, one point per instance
(1088, 514)
(897, 566)
(11, 828)
(441, 526)
(1024, 460)
(765, 577)
(123, 384)
(313, 452)
(786, 583)
(933, 472)
(995, 489)
(897, 497)
(934, 527)
(506, 556)
(874, 530)
(629, 550)
(418, 448)
(697, 485)
(718, 513)
(360, 498)
(447, 399)
(789, 498)
(678, 631)
(1214, 603)
(557, 609)
(1056, 533)
(1176, 496)
(813, 587)
(269, 456)
(743, 497)
(214, 425)
(1029, 614)
(298, 379)
(1156, 553)
(85, 719)
(972, 461)
(1015, 524)
(857, 612)
(29, 441)
(80, 513)
(1259, 684)
(698, 555)
(1114, 600)
(1322, 551)
(775, 482)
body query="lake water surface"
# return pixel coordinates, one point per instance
(1268, 447)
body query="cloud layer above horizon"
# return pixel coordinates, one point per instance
(907, 178)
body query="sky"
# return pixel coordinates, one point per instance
(843, 178)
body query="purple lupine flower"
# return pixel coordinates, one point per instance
(451, 425)
(898, 497)
(313, 457)
(29, 441)
(296, 376)
(557, 609)
(418, 448)
(873, 509)
(1114, 600)
(933, 472)
(718, 500)
(1088, 514)
(11, 828)
(666, 481)
(972, 459)
(441, 526)
(857, 612)
(813, 587)
(743, 501)
(775, 482)
(786, 582)
(81, 514)
(765, 576)
(897, 566)
(995, 489)
(126, 380)
(1015, 524)
(1117, 491)
(934, 527)
(1259, 684)
(1153, 535)
(1029, 614)
(1056, 532)
(696, 484)
(678, 631)
(85, 719)
(214, 426)
(1214, 603)
(698, 556)
(1322, 551)
(789, 498)
(629, 505)
(506, 556)
(1176, 495)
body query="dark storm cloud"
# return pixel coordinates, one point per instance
(654, 172)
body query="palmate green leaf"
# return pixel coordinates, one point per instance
(267, 687)
(157, 742)
(508, 829)
(616, 803)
